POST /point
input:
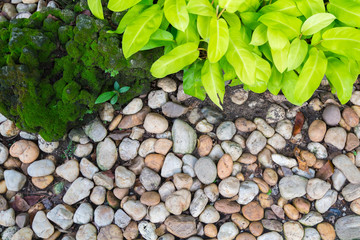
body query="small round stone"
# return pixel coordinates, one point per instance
(239, 96)
(332, 115)
(317, 130)
(350, 117)
(155, 123)
(253, 211)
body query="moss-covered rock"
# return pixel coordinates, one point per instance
(54, 65)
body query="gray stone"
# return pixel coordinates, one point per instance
(331, 115)
(292, 187)
(106, 154)
(284, 128)
(184, 137)
(311, 219)
(103, 215)
(227, 231)
(14, 180)
(135, 209)
(277, 142)
(69, 170)
(147, 230)
(229, 187)
(264, 127)
(9, 10)
(157, 98)
(212, 115)
(275, 114)
(233, 149)
(7, 218)
(155, 123)
(83, 214)
(158, 213)
(124, 178)
(255, 142)
(4, 153)
(47, 147)
(216, 152)
(9, 232)
(239, 96)
(247, 192)
(149, 179)
(172, 165)
(87, 168)
(336, 137)
(95, 130)
(284, 161)
(86, 232)
(83, 150)
(205, 170)
(61, 216)
(133, 107)
(316, 188)
(106, 112)
(78, 190)
(209, 215)
(338, 179)
(347, 167)
(226, 131)
(128, 149)
(21, 7)
(165, 190)
(167, 84)
(198, 203)
(318, 149)
(41, 168)
(272, 225)
(28, 136)
(348, 227)
(122, 220)
(293, 230)
(351, 192)
(41, 225)
(311, 234)
(147, 147)
(78, 135)
(324, 204)
(173, 110)
(270, 236)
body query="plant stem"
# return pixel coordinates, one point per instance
(202, 49)
(221, 13)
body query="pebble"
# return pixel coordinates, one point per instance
(270, 236)
(256, 142)
(355, 206)
(97, 195)
(253, 211)
(336, 137)
(28, 136)
(212, 115)
(311, 219)
(87, 168)
(150, 198)
(9, 232)
(41, 225)
(291, 212)
(284, 161)
(205, 170)
(284, 128)
(227, 206)
(210, 230)
(351, 192)
(78, 135)
(233, 149)
(173, 110)
(14, 180)
(147, 230)
(83, 150)
(155, 123)
(244, 125)
(184, 137)
(225, 166)
(240, 221)
(293, 230)
(272, 225)
(163, 146)
(348, 168)
(182, 181)
(226, 131)
(7, 217)
(110, 232)
(204, 127)
(178, 201)
(95, 130)
(198, 203)
(331, 115)
(83, 214)
(317, 130)
(318, 149)
(216, 153)
(264, 127)
(128, 149)
(264, 158)
(8, 128)
(167, 84)
(121, 219)
(149, 179)
(227, 231)
(172, 165)
(209, 215)
(69, 170)
(316, 188)
(326, 230)
(78, 190)
(229, 187)
(147, 147)
(86, 232)
(157, 98)
(106, 153)
(352, 142)
(154, 161)
(61, 216)
(275, 114)
(338, 179)
(107, 110)
(204, 145)
(133, 120)
(9, 10)
(181, 96)
(26, 151)
(247, 192)
(103, 215)
(47, 147)
(41, 168)
(348, 227)
(124, 178)
(239, 96)
(133, 107)
(350, 117)
(311, 234)
(182, 226)
(292, 187)
(135, 209)
(4, 153)
(23, 234)
(158, 213)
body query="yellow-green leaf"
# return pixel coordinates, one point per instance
(317, 22)
(96, 8)
(285, 6)
(192, 80)
(158, 39)
(121, 5)
(277, 40)
(311, 75)
(259, 36)
(138, 33)
(201, 7)
(130, 16)
(297, 53)
(230, 5)
(219, 39)
(310, 7)
(190, 34)
(232, 19)
(203, 27)
(290, 79)
(175, 60)
(213, 82)
(289, 25)
(263, 69)
(176, 13)
(275, 82)
(248, 5)
(346, 11)
(280, 57)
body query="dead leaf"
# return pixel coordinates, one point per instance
(299, 122)
(326, 171)
(302, 163)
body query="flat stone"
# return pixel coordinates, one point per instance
(124, 178)
(247, 192)
(133, 120)
(41, 168)
(149, 179)
(351, 192)
(155, 123)
(184, 137)
(95, 130)
(121, 219)
(311, 219)
(331, 115)
(106, 154)
(284, 161)
(348, 227)
(275, 113)
(293, 230)
(61, 216)
(226, 131)
(78, 190)
(316, 188)
(323, 205)
(172, 165)
(83, 214)
(182, 226)
(7, 217)
(270, 236)
(41, 225)
(336, 137)
(292, 187)
(227, 231)
(348, 168)
(205, 170)
(256, 142)
(198, 203)
(14, 180)
(173, 110)
(133, 107)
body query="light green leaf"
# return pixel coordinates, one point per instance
(232, 19)
(339, 76)
(121, 5)
(248, 5)
(114, 99)
(192, 80)
(231, 6)
(138, 33)
(275, 82)
(213, 82)
(289, 25)
(258, 87)
(203, 27)
(245, 34)
(290, 79)
(129, 17)
(229, 71)
(124, 89)
(310, 7)
(311, 75)
(285, 6)
(176, 13)
(346, 11)
(277, 40)
(96, 8)
(175, 60)
(263, 69)
(105, 97)
(297, 53)
(342, 40)
(159, 38)
(241, 58)
(265, 49)
(280, 57)
(190, 34)
(259, 36)
(317, 22)
(219, 39)
(201, 7)
(250, 19)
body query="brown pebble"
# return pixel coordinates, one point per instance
(302, 205)
(247, 158)
(326, 230)
(265, 200)
(350, 117)
(244, 125)
(163, 146)
(240, 221)
(355, 206)
(227, 206)
(154, 161)
(263, 186)
(110, 232)
(26, 151)
(352, 142)
(115, 122)
(270, 176)
(319, 163)
(12, 162)
(253, 211)
(133, 120)
(42, 182)
(131, 231)
(291, 212)
(205, 145)
(326, 171)
(120, 193)
(210, 230)
(150, 198)
(279, 212)
(112, 200)
(54, 236)
(161, 230)
(309, 158)
(3, 203)
(245, 236)
(225, 166)
(3, 188)
(182, 181)
(282, 201)
(344, 125)
(317, 130)
(256, 228)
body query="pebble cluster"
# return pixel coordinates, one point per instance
(160, 170)
(16, 9)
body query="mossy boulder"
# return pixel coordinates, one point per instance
(54, 65)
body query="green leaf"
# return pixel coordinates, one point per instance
(245, 34)
(121, 5)
(138, 33)
(176, 13)
(232, 19)
(230, 5)
(158, 39)
(263, 69)
(114, 99)
(259, 36)
(297, 53)
(105, 97)
(265, 49)
(285, 6)
(116, 86)
(257, 87)
(96, 8)
(241, 58)
(317, 22)
(342, 40)
(250, 19)
(229, 71)
(192, 80)
(277, 40)
(311, 75)
(339, 76)
(346, 11)
(124, 89)
(248, 5)
(201, 7)
(213, 82)
(290, 79)
(129, 17)
(219, 39)
(289, 25)
(275, 82)
(175, 60)
(203, 27)
(190, 34)
(280, 57)
(310, 7)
